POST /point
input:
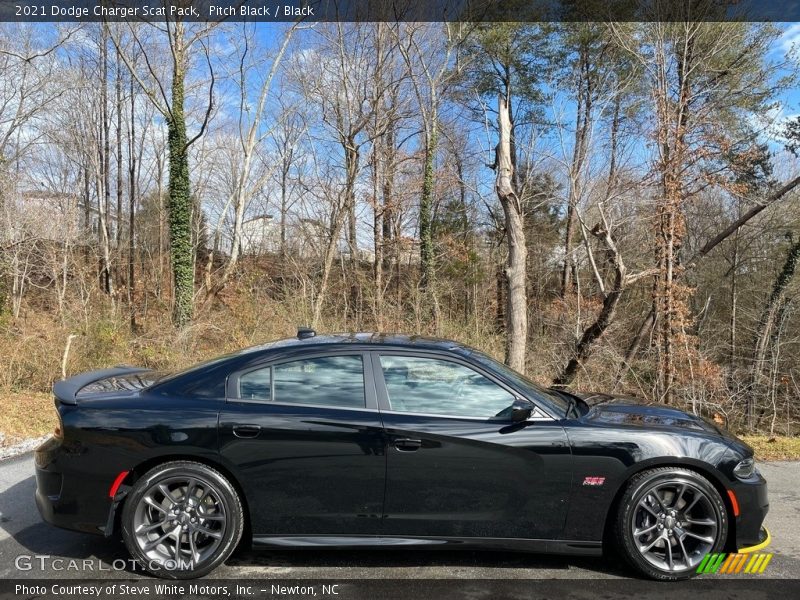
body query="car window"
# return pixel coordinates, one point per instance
(440, 387)
(552, 399)
(255, 385)
(327, 380)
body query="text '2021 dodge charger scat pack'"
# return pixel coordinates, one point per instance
(387, 440)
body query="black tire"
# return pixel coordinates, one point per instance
(225, 523)
(652, 488)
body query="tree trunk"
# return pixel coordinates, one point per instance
(285, 166)
(388, 199)
(132, 211)
(767, 322)
(377, 237)
(426, 209)
(582, 122)
(382, 224)
(180, 201)
(517, 309)
(775, 344)
(607, 313)
(733, 357)
(500, 299)
(672, 124)
(87, 207)
(741, 221)
(665, 293)
(610, 298)
(104, 200)
(337, 222)
(118, 86)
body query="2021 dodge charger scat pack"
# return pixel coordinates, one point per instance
(378, 440)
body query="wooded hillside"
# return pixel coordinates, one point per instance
(606, 206)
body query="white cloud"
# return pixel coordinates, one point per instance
(772, 122)
(790, 40)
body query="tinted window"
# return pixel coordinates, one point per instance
(551, 398)
(329, 380)
(255, 385)
(207, 389)
(426, 385)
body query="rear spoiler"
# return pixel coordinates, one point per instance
(66, 390)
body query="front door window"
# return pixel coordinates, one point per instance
(440, 387)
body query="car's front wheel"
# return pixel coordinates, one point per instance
(669, 518)
(181, 520)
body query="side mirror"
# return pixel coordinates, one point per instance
(521, 410)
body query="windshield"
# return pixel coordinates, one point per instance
(556, 401)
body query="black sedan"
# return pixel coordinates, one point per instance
(377, 440)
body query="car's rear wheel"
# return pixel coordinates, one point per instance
(668, 520)
(181, 520)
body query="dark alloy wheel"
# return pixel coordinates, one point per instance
(181, 520)
(668, 520)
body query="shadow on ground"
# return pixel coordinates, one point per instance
(444, 561)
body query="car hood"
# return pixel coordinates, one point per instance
(626, 410)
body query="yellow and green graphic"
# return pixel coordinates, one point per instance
(734, 563)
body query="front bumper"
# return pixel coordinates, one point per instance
(766, 540)
(753, 507)
(74, 502)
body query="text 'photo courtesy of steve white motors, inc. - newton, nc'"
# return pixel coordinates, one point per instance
(210, 11)
(165, 589)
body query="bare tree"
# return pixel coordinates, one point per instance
(342, 86)
(250, 134)
(182, 40)
(516, 270)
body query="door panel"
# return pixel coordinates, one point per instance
(459, 476)
(471, 478)
(306, 470)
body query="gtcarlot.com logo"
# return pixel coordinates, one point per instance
(45, 562)
(732, 564)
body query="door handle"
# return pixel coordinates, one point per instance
(246, 431)
(407, 444)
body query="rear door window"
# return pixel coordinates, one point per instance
(336, 381)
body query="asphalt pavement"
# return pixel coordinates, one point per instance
(25, 539)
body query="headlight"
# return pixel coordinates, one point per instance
(745, 469)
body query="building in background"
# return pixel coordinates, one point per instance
(260, 235)
(57, 216)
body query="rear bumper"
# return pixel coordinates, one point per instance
(69, 502)
(753, 507)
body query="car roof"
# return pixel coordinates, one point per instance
(365, 338)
